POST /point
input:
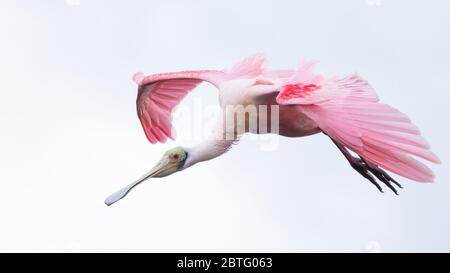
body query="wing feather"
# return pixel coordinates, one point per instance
(347, 109)
(159, 94)
(158, 98)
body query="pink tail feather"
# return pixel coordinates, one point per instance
(347, 110)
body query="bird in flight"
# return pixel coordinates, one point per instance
(373, 137)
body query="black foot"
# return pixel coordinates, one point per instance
(368, 169)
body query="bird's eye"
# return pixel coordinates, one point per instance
(176, 156)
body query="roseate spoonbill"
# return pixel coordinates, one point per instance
(372, 136)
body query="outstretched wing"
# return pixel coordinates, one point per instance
(159, 94)
(348, 110)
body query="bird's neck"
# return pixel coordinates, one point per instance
(207, 150)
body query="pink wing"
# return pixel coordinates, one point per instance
(347, 110)
(278, 74)
(159, 94)
(251, 66)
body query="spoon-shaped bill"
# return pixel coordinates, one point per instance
(113, 198)
(158, 171)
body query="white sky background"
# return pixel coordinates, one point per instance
(70, 135)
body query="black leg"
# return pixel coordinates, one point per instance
(383, 176)
(368, 170)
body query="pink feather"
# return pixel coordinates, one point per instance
(347, 109)
(159, 94)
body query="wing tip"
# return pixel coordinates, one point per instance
(252, 66)
(138, 78)
(435, 158)
(162, 138)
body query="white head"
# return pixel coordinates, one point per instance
(171, 162)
